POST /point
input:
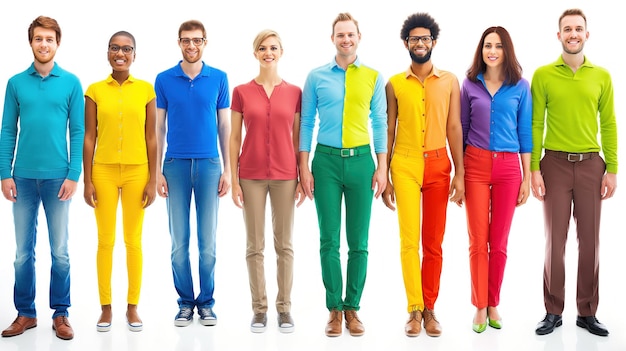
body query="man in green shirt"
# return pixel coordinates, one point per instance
(572, 102)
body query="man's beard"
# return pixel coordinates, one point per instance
(420, 59)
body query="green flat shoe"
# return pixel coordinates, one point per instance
(479, 328)
(496, 324)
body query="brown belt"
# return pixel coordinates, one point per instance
(570, 156)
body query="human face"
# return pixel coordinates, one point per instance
(420, 52)
(493, 54)
(269, 52)
(346, 38)
(573, 34)
(44, 44)
(191, 53)
(121, 61)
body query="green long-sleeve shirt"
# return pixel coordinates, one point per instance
(570, 108)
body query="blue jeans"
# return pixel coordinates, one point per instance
(200, 177)
(30, 194)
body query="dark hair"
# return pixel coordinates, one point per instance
(44, 22)
(345, 16)
(192, 25)
(572, 12)
(124, 33)
(419, 20)
(511, 67)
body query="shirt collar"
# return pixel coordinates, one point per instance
(56, 70)
(435, 72)
(334, 63)
(561, 62)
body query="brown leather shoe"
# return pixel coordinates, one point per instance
(63, 328)
(333, 327)
(353, 323)
(413, 326)
(431, 325)
(19, 325)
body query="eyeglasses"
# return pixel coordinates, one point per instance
(196, 41)
(426, 39)
(125, 49)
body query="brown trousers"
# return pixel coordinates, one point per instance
(281, 193)
(577, 183)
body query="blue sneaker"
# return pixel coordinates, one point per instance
(184, 317)
(207, 317)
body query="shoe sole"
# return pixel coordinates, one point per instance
(208, 322)
(135, 327)
(103, 327)
(181, 323)
(584, 326)
(286, 330)
(333, 335)
(558, 324)
(258, 329)
(25, 329)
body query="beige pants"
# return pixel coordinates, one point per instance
(282, 194)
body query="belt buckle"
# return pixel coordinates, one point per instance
(574, 157)
(347, 152)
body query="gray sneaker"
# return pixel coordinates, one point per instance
(184, 317)
(259, 323)
(207, 316)
(285, 322)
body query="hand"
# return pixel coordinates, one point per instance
(609, 185)
(457, 191)
(224, 185)
(537, 185)
(68, 188)
(89, 194)
(389, 196)
(524, 193)
(149, 194)
(237, 195)
(162, 185)
(379, 181)
(307, 182)
(9, 190)
(299, 196)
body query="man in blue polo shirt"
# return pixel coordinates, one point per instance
(193, 103)
(39, 164)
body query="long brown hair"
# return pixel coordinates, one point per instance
(511, 67)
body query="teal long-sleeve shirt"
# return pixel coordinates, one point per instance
(43, 126)
(571, 108)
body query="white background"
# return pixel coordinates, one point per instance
(305, 28)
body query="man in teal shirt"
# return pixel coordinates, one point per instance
(345, 94)
(44, 117)
(572, 102)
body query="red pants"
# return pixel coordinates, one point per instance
(492, 182)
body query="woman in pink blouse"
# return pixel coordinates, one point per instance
(269, 108)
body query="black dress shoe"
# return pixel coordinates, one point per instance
(547, 325)
(592, 324)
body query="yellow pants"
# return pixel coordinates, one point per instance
(112, 182)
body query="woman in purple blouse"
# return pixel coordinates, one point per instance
(496, 109)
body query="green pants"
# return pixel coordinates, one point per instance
(340, 173)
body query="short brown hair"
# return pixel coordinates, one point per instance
(345, 16)
(572, 12)
(192, 25)
(44, 22)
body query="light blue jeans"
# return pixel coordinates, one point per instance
(199, 177)
(30, 194)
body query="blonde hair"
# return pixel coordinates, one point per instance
(264, 34)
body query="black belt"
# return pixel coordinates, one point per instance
(344, 152)
(572, 157)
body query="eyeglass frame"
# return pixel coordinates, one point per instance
(124, 49)
(425, 39)
(200, 41)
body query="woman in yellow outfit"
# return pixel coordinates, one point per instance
(119, 158)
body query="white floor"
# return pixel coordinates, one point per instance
(382, 306)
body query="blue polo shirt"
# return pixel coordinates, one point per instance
(45, 118)
(502, 122)
(191, 106)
